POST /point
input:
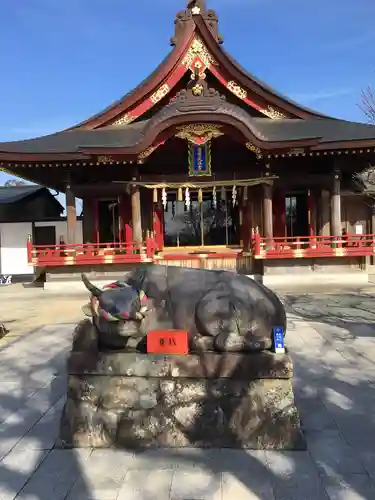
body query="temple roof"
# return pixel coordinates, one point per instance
(14, 194)
(129, 136)
(279, 121)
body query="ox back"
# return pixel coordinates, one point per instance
(180, 290)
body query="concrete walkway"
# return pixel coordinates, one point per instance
(333, 344)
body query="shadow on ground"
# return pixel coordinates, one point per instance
(334, 393)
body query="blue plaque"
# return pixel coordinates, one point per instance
(278, 339)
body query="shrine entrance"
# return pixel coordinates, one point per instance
(205, 220)
(108, 221)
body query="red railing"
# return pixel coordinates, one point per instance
(313, 246)
(90, 253)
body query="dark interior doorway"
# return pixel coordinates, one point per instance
(44, 235)
(202, 224)
(108, 219)
(297, 214)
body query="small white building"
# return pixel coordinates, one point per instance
(29, 210)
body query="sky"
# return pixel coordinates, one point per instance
(62, 61)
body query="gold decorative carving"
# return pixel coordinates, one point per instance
(272, 113)
(105, 159)
(147, 152)
(236, 89)
(198, 50)
(199, 133)
(197, 89)
(160, 93)
(254, 149)
(125, 119)
(296, 151)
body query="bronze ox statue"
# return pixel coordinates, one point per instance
(222, 311)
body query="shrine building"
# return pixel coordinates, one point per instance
(203, 165)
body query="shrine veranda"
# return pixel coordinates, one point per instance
(203, 165)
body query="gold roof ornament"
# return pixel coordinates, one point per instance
(124, 119)
(199, 133)
(272, 113)
(254, 149)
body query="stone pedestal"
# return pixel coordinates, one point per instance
(132, 400)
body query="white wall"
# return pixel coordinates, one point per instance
(13, 244)
(13, 251)
(62, 230)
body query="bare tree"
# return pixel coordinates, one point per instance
(367, 104)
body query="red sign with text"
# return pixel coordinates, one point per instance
(167, 342)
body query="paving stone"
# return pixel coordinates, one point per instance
(242, 485)
(45, 432)
(153, 484)
(18, 424)
(16, 469)
(253, 462)
(196, 485)
(330, 451)
(55, 476)
(315, 416)
(349, 487)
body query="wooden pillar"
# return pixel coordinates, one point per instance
(267, 212)
(324, 215)
(71, 215)
(136, 214)
(336, 205)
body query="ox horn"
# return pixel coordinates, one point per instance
(94, 290)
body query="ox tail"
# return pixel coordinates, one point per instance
(94, 290)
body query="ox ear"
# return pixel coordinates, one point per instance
(86, 309)
(94, 290)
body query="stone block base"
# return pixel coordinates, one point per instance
(132, 400)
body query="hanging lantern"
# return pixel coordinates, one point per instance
(234, 195)
(155, 195)
(179, 195)
(187, 198)
(164, 198)
(214, 198)
(200, 196)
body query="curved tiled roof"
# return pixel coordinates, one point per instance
(127, 136)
